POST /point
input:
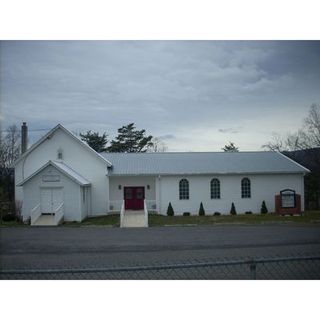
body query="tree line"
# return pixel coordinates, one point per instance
(129, 139)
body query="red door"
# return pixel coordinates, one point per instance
(133, 198)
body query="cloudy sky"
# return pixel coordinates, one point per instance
(195, 95)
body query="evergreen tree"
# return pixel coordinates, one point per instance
(230, 147)
(170, 211)
(263, 208)
(233, 209)
(201, 210)
(95, 141)
(131, 140)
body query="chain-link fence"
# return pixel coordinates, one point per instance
(302, 267)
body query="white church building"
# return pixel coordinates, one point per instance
(62, 177)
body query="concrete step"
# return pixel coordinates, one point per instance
(133, 219)
(45, 220)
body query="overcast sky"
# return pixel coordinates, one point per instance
(195, 95)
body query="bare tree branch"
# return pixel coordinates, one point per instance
(307, 137)
(9, 148)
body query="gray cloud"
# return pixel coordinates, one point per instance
(196, 92)
(230, 130)
(167, 137)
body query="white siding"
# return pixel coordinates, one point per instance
(71, 194)
(76, 156)
(116, 195)
(263, 187)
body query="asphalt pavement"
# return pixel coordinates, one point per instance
(95, 246)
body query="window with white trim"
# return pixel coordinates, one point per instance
(215, 189)
(245, 188)
(184, 189)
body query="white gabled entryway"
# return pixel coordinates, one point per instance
(56, 193)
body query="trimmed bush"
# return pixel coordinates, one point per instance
(170, 211)
(186, 214)
(217, 213)
(248, 212)
(233, 209)
(201, 210)
(264, 208)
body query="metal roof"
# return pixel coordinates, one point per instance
(71, 173)
(63, 168)
(171, 163)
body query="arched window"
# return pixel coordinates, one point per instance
(215, 189)
(245, 188)
(184, 189)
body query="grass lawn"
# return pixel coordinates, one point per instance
(107, 220)
(159, 220)
(113, 220)
(12, 224)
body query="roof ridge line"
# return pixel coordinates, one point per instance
(180, 152)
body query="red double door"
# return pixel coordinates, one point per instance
(133, 198)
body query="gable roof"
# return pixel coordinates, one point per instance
(63, 168)
(50, 133)
(171, 163)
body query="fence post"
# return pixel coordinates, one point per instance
(253, 270)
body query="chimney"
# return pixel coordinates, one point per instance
(24, 137)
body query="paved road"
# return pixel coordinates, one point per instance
(67, 247)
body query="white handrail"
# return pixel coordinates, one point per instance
(122, 214)
(35, 213)
(145, 213)
(151, 205)
(58, 214)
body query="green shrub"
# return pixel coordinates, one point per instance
(264, 208)
(186, 214)
(170, 211)
(217, 213)
(9, 217)
(233, 209)
(201, 210)
(248, 212)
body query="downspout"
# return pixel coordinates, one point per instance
(108, 192)
(159, 178)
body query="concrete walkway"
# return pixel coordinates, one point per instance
(133, 218)
(45, 220)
